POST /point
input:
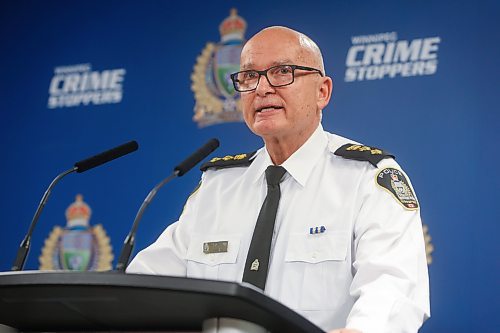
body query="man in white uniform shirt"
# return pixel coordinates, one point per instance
(347, 250)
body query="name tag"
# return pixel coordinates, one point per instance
(215, 247)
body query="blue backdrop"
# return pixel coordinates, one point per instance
(440, 119)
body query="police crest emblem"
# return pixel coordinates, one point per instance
(394, 181)
(78, 246)
(216, 99)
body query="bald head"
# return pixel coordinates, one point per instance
(284, 113)
(309, 51)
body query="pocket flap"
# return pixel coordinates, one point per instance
(317, 248)
(195, 249)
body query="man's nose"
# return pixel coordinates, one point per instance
(264, 87)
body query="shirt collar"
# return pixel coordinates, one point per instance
(299, 165)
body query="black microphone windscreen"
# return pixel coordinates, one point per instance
(106, 156)
(197, 157)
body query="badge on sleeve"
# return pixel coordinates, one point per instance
(394, 181)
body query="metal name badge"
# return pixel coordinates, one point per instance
(215, 247)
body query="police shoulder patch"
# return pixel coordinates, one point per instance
(362, 153)
(395, 182)
(228, 161)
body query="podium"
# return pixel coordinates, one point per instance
(111, 301)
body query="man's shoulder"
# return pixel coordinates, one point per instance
(388, 174)
(353, 150)
(229, 161)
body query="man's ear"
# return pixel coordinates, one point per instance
(324, 92)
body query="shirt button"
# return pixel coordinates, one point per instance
(314, 255)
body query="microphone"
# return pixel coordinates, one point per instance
(79, 167)
(106, 156)
(179, 170)
(197, 157)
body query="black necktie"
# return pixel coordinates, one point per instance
(257, 263)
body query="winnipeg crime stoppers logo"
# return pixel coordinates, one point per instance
(77, 85)
(379, 56)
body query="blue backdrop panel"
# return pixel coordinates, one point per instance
(441, 121)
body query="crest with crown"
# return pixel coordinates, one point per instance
(216, 99)
(78, 246)
(78, 213)
(233, 27)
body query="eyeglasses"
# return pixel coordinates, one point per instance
(277, 76)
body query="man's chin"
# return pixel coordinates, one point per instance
(266, 130)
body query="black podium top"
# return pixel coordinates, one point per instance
(110, 301)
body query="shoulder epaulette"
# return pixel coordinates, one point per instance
(228, 161)
(362, 153)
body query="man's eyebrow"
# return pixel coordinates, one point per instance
(250, 65)
(282, 62)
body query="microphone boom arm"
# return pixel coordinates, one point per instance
(24, 248)
(128, 244)
(79, 167)
(179, 170)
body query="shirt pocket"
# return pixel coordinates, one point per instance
(320, 261)
(207, 265)
(317, 248)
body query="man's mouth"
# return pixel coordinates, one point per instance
(269, 108)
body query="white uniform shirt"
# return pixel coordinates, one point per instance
(367, 270)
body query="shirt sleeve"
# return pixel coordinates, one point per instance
(167, 255)
(390, 282)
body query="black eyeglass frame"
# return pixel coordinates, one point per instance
(264, 73)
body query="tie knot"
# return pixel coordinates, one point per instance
(274, 174)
